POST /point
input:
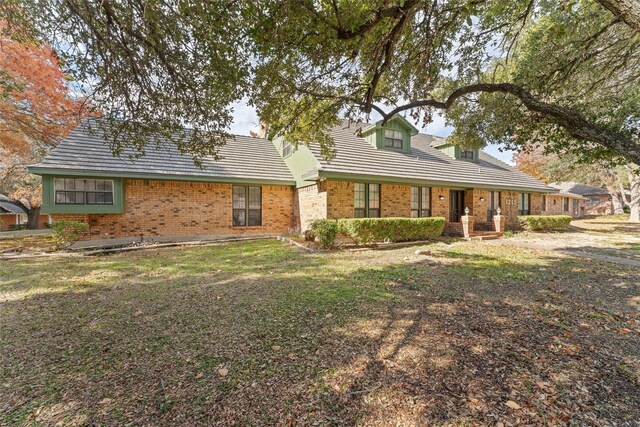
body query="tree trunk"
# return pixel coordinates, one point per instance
(617, 200)
(634, 187)
(612, 179)
(33, 218)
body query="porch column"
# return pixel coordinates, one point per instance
(467, 223)
(499, 221)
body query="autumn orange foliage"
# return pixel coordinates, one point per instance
(530, 161)
(35, 106)
(36, 112)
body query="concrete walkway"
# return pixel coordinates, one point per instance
(24, 233)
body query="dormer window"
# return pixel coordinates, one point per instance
(393, 138)
(393, 135)
(467, 154)
(287, 148)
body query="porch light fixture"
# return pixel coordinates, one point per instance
(481, 199)
(466, 211)
(441, 197)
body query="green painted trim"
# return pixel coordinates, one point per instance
(300, 162)
(375, 135)
(49, 206)
(345, 176)
(476, 155)
(397, 118)
(154, 176)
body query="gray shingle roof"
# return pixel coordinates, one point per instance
(355, 155)
(243, 157)
(578, 188)
(10, 208)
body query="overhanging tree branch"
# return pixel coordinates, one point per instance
(575, 123)
(627, 10)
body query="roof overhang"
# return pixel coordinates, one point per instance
(37, 170)
(318, 175)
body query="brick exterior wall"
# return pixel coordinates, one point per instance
(395, 201)
(535, 204)
(7, 220)
(555, 206)
(340, 197)
(310, 204)
(43, 221)
(178, 208)
(509, 208)
(477, 208)
(440, 207)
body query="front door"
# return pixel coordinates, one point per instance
(456, 205)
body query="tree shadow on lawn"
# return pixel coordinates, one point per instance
(618, 252)
(324, 340)
(611, 227)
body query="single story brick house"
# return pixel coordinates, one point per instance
(11, 215)
(596, 200)
(267, 187)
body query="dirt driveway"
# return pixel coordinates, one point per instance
(610, 239)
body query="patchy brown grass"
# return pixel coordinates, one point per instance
(261, 333)
(26, 244)
(607, 223)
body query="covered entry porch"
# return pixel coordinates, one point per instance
(479, 208)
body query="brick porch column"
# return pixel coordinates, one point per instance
(467, 223)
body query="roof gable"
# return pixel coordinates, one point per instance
(395, 122)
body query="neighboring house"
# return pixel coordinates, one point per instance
(563, 203)
(597, 201)
(263, 187)
(11, 216)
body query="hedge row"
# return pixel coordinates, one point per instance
(367, 230)
(545, 222)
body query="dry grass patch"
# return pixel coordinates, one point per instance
(260, 333)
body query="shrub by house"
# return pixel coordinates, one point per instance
(544, 222)
(367, 230)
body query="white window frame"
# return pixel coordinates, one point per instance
(287, 148)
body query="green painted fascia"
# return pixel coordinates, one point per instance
(154, 176)
(396, 122)
(301, 162)
(49, 206)
(352, 177)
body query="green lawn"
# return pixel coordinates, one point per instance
(261, 333)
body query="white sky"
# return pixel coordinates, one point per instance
(246, 119)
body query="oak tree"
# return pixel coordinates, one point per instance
(569, 69)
